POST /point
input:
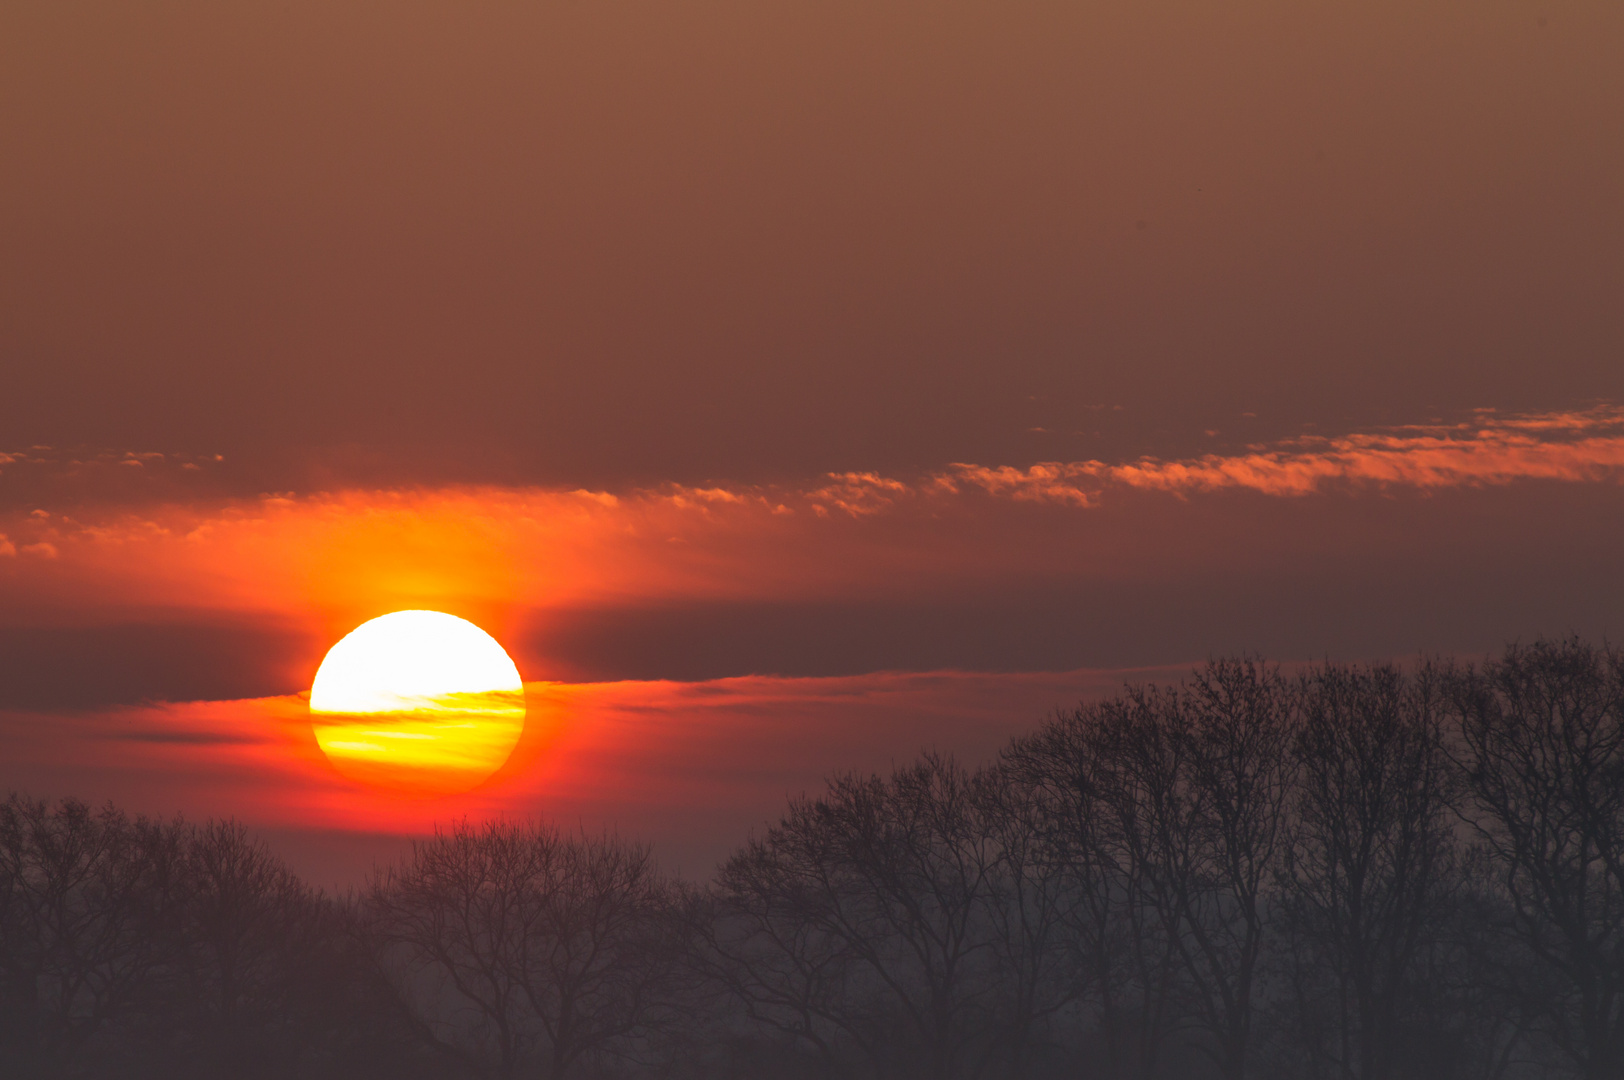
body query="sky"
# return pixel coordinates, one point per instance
(789, 387)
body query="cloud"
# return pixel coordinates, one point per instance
(55, 668)
(859, 493)
(84, 476)
(1572, 447)
(1576, 446)
(184, 738)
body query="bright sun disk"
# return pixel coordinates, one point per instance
(417, 701)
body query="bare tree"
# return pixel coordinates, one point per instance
(1542, 732)
(1199, 779)
(1123, 965)
(556, 948)
(87, 902)
(859, 919)
(1371, 861)
(1031, 905)
(252, 956)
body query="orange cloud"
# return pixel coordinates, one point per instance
(1491, 450)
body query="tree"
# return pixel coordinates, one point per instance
(1123, 964)
(254, 958)
(87, 906)
(1371, 862)
(1198, 780)
(1542, 734)
(860, 919)
(560, 947)
(1031, 906)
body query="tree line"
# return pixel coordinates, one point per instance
(1351, 873)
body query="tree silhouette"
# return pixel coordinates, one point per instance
(1199, 780)
(1542, 732)
(88, 900)
(558, 946)
(1124, 966)
(1361, 873)
(859, 918)
(1371, 860)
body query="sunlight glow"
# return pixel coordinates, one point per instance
(419, 702)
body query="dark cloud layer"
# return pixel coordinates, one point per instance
(76, 667)
(1462, 572)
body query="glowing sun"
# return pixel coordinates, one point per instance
(418, 701)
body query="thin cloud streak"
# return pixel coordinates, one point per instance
(1572, 447)
(1576, 446)
(1585, 445)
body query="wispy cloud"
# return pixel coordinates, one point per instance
(1488, 450)
(1491, 448)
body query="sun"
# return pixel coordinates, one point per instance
(419, 702)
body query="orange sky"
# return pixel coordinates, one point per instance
(787, 386)
(757, 638)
